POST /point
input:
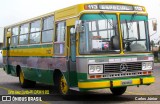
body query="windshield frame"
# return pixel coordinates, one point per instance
(132, 19)
(103, 16)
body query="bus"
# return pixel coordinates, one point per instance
(83, 47)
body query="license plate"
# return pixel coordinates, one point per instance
(126, 82)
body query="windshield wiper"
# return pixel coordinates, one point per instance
(102, 14)
(131, 21)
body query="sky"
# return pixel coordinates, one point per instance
(12, 11)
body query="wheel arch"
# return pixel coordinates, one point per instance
(56, 74)
(18, 68)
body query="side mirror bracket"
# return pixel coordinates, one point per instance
(78, 26)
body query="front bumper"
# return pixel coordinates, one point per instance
(116, 82)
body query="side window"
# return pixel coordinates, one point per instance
(23, 38)
(60, 38)
(4, 37)
(35, 32)
(8, 40)
(141, 30)
(15, 33)
(47, 32)
(60, 32)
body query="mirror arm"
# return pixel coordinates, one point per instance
(153, 33)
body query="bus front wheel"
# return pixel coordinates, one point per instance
(118, 90)
(24, 82)
(62, 86)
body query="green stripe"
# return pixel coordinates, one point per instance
(118, 55)
(33, 56)
(42, 75)
(90, 17)
(82, 77)
(71, 78)
(134, 17)
(39, 75)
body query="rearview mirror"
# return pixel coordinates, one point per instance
(154, 25)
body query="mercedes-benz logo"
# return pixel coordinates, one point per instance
(123, 68)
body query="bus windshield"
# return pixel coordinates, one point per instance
(134, 33)
(99, 32)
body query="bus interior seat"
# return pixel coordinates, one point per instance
(115, 43)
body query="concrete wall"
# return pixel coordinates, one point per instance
(1, 45)
(1, 35)
(1, 60)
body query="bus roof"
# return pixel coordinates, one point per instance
(69, 11)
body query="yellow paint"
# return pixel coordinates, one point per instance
(136, 81)
(69, 12)
(94, 84)
(64, 86)
(30, 52)
(8, 34)
(21, 77)
(148, 80)
(116, 83)
(120, 35)
(66, 13)
(71, 22)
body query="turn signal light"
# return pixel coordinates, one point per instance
(91, 77)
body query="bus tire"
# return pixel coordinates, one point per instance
(118, 90)
(63, 87)
(24, 82)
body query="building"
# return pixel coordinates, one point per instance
(1, 37)
(1, 44)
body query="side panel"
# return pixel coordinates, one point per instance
(37, 68)
(38, 65)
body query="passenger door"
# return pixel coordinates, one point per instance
(8, 41)
(72, 57)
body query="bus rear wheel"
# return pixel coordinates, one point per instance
(24, 82)
(118, 90)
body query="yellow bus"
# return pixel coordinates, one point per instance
(84, 47)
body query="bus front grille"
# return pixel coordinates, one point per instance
(122, 67)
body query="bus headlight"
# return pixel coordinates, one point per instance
(147, 65)
(94, 69)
